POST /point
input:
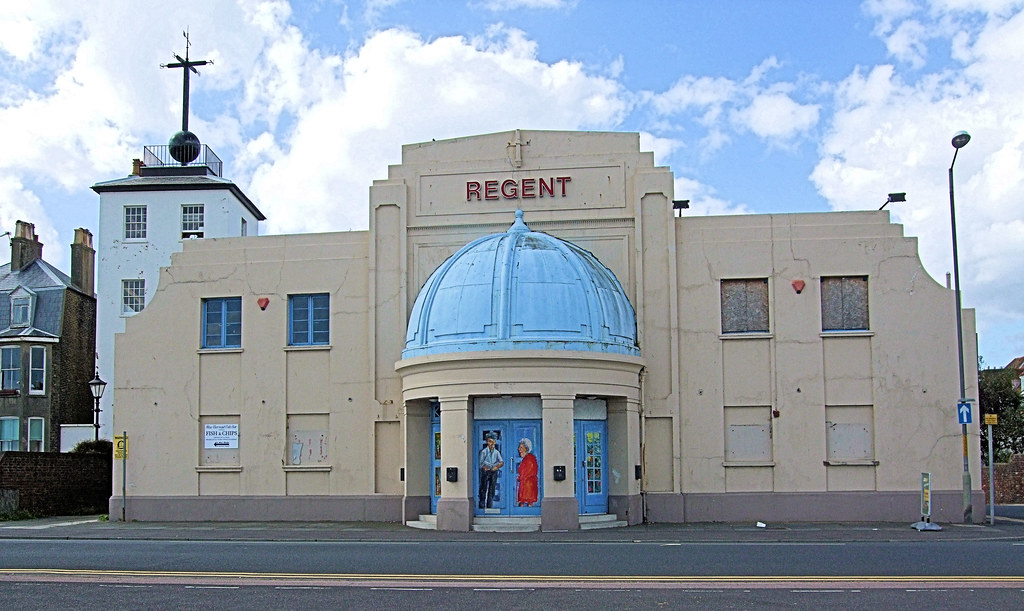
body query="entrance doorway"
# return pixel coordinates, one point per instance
(515, 487)
(591, 437)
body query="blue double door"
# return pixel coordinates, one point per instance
(508, 476)
(518, 484)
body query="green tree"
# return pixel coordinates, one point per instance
(998, 396)
(98, 446)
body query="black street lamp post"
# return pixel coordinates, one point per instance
(96, 387)
(959, 141)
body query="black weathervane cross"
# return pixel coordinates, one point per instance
(187, 66)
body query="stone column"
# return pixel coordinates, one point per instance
(455, 507)
(418, 446)
(559, 507)
(624, 455)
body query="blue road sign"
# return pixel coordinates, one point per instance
(963, 412)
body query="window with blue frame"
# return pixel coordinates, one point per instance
(10, 434)
(222, 322)
(309, 320)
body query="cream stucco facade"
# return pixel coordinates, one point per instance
(777, 419)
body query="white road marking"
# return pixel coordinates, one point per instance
(54, 524)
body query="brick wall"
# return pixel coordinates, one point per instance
(1009, 480)
(74, 359)
(50, 484)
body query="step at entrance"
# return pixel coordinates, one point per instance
(601, 520)
(426, 521)
(507, 525)
(519, 524)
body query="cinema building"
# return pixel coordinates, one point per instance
(528, 331)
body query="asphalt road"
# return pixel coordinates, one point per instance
(29, 596)
(502, 560)
(84, 564)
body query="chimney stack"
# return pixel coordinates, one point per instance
(25, 246)
(137, 166)
(83, 262)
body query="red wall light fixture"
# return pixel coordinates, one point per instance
(798, 286)
(263, 302)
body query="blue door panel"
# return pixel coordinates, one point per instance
(526, 467)
(490, 502)
(591, 466)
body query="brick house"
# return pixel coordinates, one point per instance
(1017, 365)
(47, 342)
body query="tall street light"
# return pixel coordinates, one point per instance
(959, 141)
(96, 387)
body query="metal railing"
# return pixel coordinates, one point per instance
(159, 155)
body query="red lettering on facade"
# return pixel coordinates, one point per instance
(472, 188)
(491, 189)
(547, 186)
(562, 180)
(528, 187)
(510, 189)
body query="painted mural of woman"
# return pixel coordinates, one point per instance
(527, 476)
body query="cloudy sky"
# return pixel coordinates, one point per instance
(757, 106)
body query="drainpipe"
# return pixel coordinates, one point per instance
(643, 448)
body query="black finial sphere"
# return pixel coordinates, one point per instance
(184, 147)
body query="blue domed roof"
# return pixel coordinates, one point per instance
(521, 290)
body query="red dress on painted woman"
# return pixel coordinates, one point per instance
(527, 476)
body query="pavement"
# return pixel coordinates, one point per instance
(1007, 527)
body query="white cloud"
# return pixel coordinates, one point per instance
(25, 25)
(19, 204)
(705, 93)
(909, 42)
(776, 115)
(721, 105)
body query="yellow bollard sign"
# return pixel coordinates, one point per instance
(926, 495)
(120, 447)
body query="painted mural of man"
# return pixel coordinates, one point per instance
(490, 463)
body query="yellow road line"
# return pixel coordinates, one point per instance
(649, 579)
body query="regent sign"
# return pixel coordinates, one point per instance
(526, 188)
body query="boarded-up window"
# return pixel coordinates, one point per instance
(748, 434)
(659, 449)
(745, 306)
(844, 303)
(308, 436)
(849, 433)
